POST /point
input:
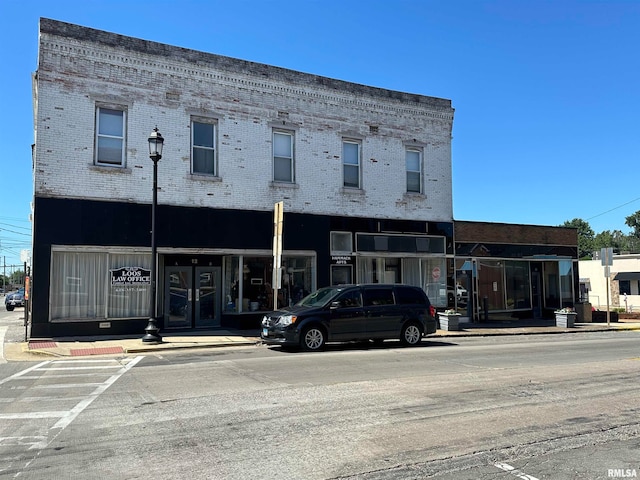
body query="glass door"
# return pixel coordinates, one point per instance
(207, 297)
(178, 297)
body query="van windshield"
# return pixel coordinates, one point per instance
(320, 297)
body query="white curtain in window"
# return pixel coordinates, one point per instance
(411, 271)
(78, 285)
(365, 270)
(127, 301)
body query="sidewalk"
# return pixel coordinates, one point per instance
(74, 347)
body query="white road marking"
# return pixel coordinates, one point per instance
(3, 331)
(23, 372)
(65, 416)
(33, 442)
(49, 369)
(508, 468)
(75, 411)
(31, 415)
(67, 375)
(86, 360)
(69, 385)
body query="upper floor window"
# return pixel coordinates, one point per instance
(351, 163)
(110, 137)
(283, 156)
(203, 148)
(413, 160)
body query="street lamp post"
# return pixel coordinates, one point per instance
(152, 334)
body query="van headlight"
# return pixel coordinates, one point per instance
(287, 320)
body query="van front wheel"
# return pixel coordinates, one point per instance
(411, 334)
(312, 339)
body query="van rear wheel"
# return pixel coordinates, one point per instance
(312, 339)
(411, 334)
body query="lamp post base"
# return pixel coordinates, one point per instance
(152, 333)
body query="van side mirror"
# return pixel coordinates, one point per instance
(335, 304)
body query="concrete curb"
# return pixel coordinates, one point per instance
(117, 347)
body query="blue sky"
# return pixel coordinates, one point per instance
(546, 93)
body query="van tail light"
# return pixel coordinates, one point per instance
(432, 310)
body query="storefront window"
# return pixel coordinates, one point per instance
(518, 285)
(99, 285)
(130, 296)
(248, 282)
(379, 270)
(491, 286)
(434, 274)
(552, 285)
(566, 282)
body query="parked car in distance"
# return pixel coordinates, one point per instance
(461, 292)
(13, 300)
(352, 312)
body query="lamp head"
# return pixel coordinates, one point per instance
(155, 144)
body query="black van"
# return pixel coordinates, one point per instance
(352, 312)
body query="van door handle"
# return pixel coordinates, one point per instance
(197, 294)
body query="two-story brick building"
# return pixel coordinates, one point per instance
(364, 174)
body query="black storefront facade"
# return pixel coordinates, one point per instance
(215, 267)
(516, 271)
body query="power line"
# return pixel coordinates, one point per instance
(614, 208)
(15, 226)
(17, 233)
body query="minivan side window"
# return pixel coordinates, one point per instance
(350, 299)
(409, 296)
(378, 296)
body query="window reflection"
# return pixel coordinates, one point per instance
(248, 282)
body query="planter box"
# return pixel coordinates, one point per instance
(601, 317)
(566, 320)
(449, 322)
(584, 312)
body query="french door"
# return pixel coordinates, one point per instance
(192, 297)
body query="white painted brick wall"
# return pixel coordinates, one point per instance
(165, 91)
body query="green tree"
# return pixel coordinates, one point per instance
(608, 238)
(631, 244)
(17, 277)
(633, 221)
(585, 236)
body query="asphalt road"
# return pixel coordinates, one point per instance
(532, 407)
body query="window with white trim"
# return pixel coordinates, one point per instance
(351, 163)
(413, 160)
(341, 243)
(283, 156)
(203, 148)
(83, 286)
(110, 137)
